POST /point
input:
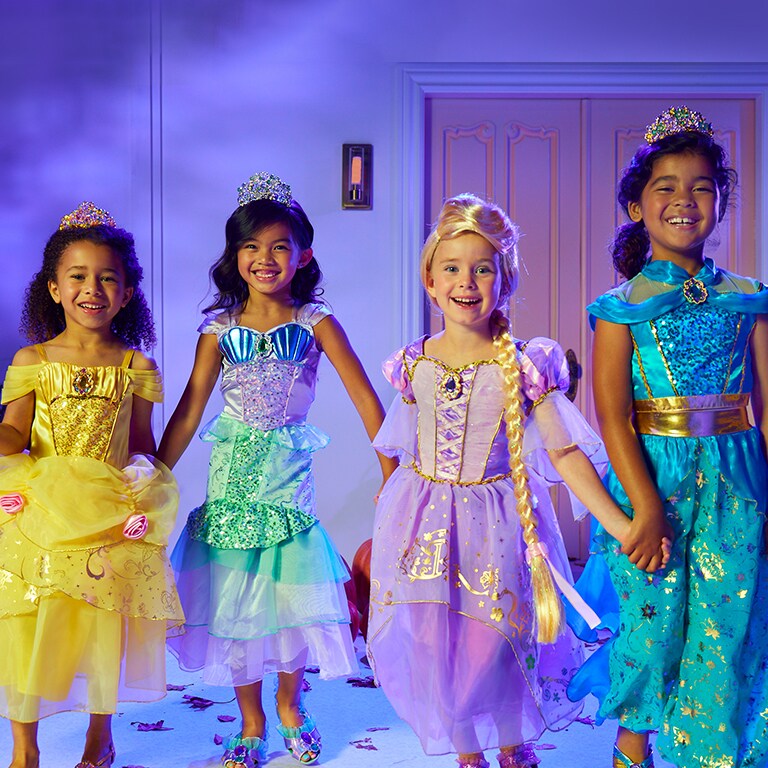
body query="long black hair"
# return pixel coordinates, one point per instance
(631, 243)
(247, 221)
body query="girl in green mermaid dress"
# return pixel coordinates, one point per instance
(260, 580)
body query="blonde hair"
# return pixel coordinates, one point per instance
(546, 600)
(469, 213)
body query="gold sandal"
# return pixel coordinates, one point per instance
(104, 762)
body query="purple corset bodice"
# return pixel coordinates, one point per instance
(461, 429)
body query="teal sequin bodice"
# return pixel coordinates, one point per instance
(696, 349)
(268, 379)
(690, 333)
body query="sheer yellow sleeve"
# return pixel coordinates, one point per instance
(20, 380)
(147, 384)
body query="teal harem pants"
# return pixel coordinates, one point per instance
(690, 654)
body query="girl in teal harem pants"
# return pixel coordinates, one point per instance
(679, 348)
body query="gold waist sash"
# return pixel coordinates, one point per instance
(694, 416)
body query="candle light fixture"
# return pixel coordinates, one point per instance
(357, 176)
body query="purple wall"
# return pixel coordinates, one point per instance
(157, 111)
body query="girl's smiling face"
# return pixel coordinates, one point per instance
(464, 280)
(267, 261)
(678, 206)
(90, 284)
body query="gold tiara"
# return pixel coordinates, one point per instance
(264, 186)
(87, 215)
(677, 120)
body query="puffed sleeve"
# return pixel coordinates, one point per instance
(148, 385)
(216, 323)
(312, 314)
(554, 422)
(398, 435)
(20, 380)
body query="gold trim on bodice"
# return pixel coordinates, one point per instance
(692, 416)
(483, 481)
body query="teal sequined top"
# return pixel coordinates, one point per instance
(691, 340)
(690, 334)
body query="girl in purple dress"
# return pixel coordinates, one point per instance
(466, 629)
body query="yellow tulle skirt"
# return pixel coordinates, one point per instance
(84, 611)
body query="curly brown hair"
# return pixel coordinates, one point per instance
(42, 318)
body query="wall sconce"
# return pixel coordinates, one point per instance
(357, 176)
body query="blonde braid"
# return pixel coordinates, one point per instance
(546, 600)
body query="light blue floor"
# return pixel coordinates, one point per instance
(359, 730)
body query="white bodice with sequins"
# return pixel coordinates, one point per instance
(268, 379)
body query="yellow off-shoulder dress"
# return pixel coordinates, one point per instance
(84, 610)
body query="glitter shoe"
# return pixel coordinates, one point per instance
(521, 756)
(620, 760)
(478, 761)
(303, 742)
(104, 762)
(248, 752)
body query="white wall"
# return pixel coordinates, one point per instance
(158, 111)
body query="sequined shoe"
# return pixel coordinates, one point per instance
(478, 761)
(522, 756)
(304, 742)
(104, 762)
(248, 752)
(620, 760)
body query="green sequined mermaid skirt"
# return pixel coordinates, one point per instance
(261, 583)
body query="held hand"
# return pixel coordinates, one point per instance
(666, 550)
(621, 533)
(619, 526)
(649, 542)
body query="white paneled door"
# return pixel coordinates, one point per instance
(553, 164)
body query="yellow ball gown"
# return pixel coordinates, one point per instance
(84, 608)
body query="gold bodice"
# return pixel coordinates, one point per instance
(82, 411)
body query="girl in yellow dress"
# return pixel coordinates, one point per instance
(86, 589)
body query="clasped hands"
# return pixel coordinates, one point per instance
(647, 541)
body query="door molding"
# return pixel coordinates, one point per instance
(418, 81)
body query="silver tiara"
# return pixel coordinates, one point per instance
(264, 186)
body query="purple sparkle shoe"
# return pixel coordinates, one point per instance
(474, 762)
(521, 756)
(304, 742)
(248, 752)
(105, 762)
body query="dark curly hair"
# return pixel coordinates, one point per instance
(42, 318)
(631, 243)
(243, 224)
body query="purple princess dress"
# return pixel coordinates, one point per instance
(450, 636)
